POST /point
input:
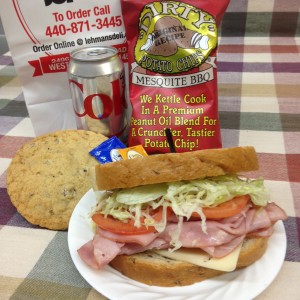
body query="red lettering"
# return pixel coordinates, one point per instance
(107, 103)
(118, 100)
(80, 86)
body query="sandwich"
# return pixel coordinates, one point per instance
(180, 218)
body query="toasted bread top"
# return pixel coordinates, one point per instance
(174, 167)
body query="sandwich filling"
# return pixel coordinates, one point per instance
(214, 214)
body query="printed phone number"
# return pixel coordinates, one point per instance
(80, 26)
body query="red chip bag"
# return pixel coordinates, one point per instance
(173, 75)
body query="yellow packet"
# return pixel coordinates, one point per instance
(132, 152)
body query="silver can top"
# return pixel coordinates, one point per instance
(93, 53)
(94, 61)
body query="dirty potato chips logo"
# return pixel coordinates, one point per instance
(174, 37)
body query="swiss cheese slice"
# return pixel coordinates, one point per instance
(199, 258)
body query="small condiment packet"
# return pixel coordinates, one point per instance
(133, 152)
(108, 151)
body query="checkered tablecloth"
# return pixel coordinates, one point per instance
(259, 103)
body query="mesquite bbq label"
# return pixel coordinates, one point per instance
(173, 77)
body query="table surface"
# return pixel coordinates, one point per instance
(259, 104)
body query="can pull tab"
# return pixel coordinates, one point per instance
(97, 52)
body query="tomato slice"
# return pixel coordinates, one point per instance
(226, 209)
(127, 227)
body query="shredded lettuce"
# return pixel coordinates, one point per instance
(141, 194)
(213, 191)
(184, 197)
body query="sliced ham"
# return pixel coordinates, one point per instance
(98, 252)
(217, 232)
(105, 250)
(275, 212)
(264, 232)
(192, 236)
(259, 219)
(86, 253)
(140, 239)
(225, 249)
(158, 243)
(220, 239)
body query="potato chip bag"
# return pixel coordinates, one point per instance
(172, 49)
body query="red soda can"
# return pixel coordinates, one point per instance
(97, 85)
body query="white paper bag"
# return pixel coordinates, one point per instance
(41, 34)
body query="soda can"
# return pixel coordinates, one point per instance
(97, 85)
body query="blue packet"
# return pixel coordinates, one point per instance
(108, 150)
